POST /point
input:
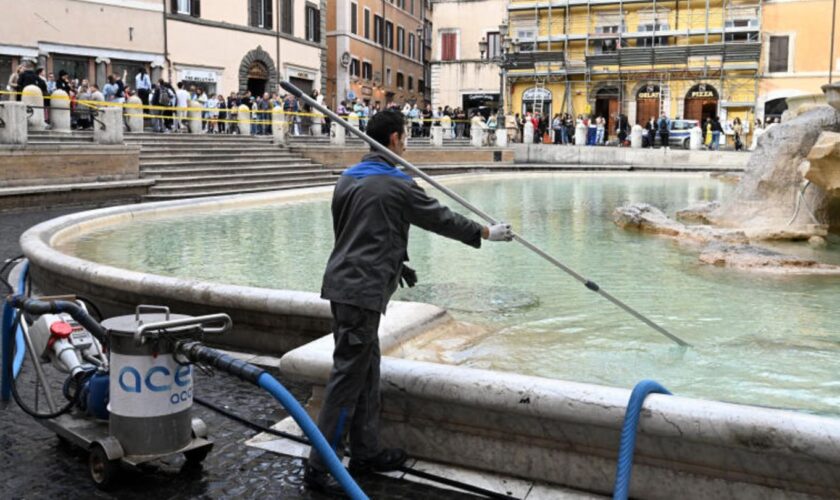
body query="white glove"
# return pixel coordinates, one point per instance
(499, 232)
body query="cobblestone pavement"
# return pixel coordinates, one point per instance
(35, 465)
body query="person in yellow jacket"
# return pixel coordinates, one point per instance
(707, 129)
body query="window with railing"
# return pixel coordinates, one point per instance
(747, 30)
(527, 36)
(607, 44)
(653, 40)
(493, 45)
(313, 24)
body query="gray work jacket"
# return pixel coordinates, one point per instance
(373, 206)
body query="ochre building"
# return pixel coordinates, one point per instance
(687, 58)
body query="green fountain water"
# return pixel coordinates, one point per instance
(758, 339)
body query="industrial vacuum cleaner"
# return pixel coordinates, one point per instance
(127, 389)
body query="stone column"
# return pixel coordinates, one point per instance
(60, 111)
(337, 134)
(695, 141)
(437, 136)
(636, 137)
(446, 124)
(528, 132)
(112, 130)
(317, 121)
(501, 138)
(580, 134)
(101, 73)
(278, 127)
(194, 118)
(477, 136)
(13, 115)
(353, 119)
(32, 96)
(243, 117)
(134, 115)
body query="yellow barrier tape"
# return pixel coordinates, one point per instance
(151, 107)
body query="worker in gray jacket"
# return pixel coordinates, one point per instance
(373, 206)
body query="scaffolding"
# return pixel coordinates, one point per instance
(710, 41)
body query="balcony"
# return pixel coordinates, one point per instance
(677, 54)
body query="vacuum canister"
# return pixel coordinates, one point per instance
(151, 394)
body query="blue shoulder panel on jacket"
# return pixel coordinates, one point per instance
(366, 169)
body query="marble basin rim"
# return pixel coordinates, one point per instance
(537, 428)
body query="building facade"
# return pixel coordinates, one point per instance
(221, 46)
(375, 51)
(796, 55)
(237, 45)
(87, 39)
(462, 75)
(686, 58)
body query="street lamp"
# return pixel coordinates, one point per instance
(507, 46)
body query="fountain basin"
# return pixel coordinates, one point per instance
(568, 433)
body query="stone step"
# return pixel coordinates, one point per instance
(197, 148)
(213, 155)
(190, 175)
(222, 192)
(186, 170)
(202, 180)
(236, 185)
(210, 162)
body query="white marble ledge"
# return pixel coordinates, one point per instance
(517, 488)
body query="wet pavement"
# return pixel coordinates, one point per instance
(35, 464)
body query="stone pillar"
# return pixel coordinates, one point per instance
(501, 138)
(695, 142)
(194, 118)
(528, 132)
(278, 127)
(316, 127)
(101, 73)
(437, 136)
(243, 117)
(60, 111)
(134, 116)
(580, 134)
(32, 96)
(446, 124)
(15, 130)
(636, 137)
(337, 134)
(353, 119)
(112, 131)
(477, 136)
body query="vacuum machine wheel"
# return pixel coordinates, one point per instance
(197, 455)
(102, 470)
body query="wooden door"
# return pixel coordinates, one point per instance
(612, 120)
(700, 109)
(645, 109)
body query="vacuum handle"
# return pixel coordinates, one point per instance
(78, 313)
(202, 322)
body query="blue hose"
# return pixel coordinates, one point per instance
(317, 439)
(20, 345)
(628, 435)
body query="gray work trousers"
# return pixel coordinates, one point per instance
(352, 399)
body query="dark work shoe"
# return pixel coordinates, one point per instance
(322, 481)
(389, 459)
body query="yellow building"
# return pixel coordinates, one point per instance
(796, 42)
(688, 58)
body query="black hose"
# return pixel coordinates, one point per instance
(38, 307)
(302, 440)
(3, 279)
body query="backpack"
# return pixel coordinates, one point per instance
(165, 97)
(663, 124)
(120, 90)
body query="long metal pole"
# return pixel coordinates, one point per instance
(466, 203)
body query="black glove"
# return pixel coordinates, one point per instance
(408, 277)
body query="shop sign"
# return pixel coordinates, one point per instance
(701, 91)
(650, 92)
(536, 94)
(199, 76)
(483, 97)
